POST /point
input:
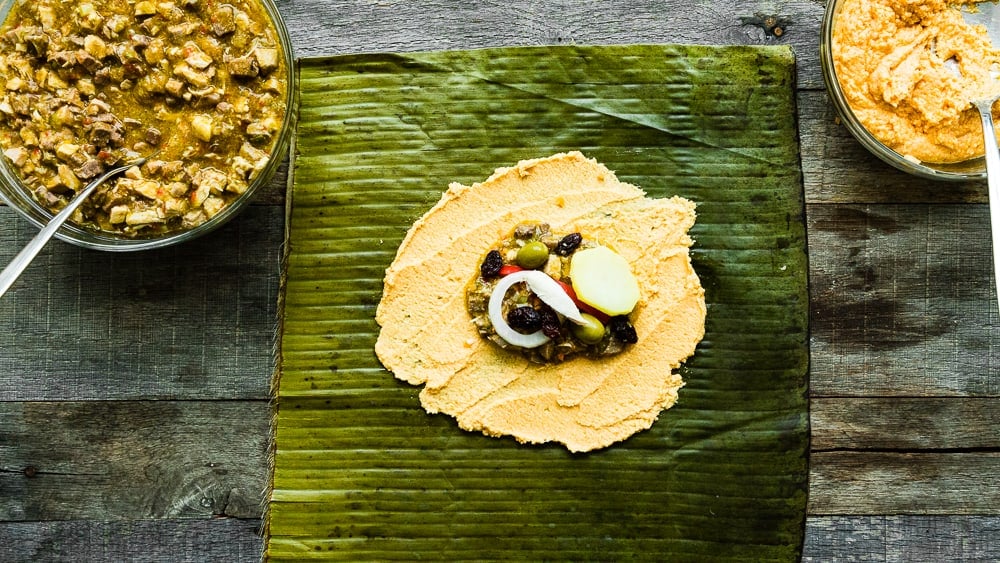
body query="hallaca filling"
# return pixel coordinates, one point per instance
(552, 296)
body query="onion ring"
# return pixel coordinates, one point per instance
(547, 289)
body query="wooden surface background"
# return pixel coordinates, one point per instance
(134, 387)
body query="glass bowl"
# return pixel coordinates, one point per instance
(17, 196)
(974, 169)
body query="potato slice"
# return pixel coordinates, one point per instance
(602, 279)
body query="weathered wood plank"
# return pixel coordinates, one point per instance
(845, 538)
(321, 27)
(904, 483)
(902, 301)
(927, 538)
(104, 460)
(905, 424)
(837, 169)
(911, 539)
(150, 541)
(195, 320)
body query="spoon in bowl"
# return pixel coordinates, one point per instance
(23, 258)
(987, 14)
(985, 107)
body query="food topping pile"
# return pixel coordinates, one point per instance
(575, 326)
(550, 297)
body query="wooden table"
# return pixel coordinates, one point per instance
(134, 388)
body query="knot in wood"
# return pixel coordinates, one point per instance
(30, 471)
(772, 24)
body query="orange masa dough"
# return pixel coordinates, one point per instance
(889, 56)
(427, 337)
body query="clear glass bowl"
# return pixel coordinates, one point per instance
(16, 195)
(974, 169)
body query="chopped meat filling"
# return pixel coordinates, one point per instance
(87, 85)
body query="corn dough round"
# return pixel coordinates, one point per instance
(427, 337)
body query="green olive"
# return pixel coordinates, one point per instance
(590, 332)
(533, 255)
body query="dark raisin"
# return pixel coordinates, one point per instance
(524, 319)
(623, 330)
(491, 265)
(568, 244)
(550, 323)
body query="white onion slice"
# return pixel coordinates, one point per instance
(533, 340)
(553, 294)
(547, 289)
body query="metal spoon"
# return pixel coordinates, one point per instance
(23, 258)
(985, 108)
(987, 15)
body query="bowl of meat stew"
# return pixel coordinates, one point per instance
(201, 88)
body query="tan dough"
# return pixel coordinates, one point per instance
(889, 56)
(427, 337)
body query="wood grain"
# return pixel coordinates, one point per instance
(148, 541)
(322, 27)
(838, 169)
(905, 424)
(902, 300)
(852, 482)
(115, 460)
(194, 321)
(274, 192)
(912, 539)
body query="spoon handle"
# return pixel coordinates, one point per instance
(23, 258)
(993, 181)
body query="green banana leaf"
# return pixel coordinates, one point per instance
(362, 472)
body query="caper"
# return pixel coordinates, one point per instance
(590, 332)
(533, 255)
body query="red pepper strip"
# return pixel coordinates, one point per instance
(508, 269)
(584, 308)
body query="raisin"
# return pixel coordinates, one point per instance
(568, 244)
(550, 323)
(623, 330)
(491, 265)
(524, 319)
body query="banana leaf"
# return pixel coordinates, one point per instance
(362, 472)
